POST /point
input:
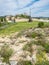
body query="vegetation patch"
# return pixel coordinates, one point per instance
(22, 62)
(6, 53)
(28, 47)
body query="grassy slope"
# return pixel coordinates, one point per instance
(19, 26)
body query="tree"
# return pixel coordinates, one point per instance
(30, 19)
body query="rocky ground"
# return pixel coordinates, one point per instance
(19, 41)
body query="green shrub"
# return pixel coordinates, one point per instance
(46, 46)
(31, 34)
(41, 58)
(28, 47)
(46, 25)
(6, 53)
(21, 62)
(43, 43)
(34, 35)
(42, 63)
(41, 24)
(0, 24)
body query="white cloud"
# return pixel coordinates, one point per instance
(11, 6)
(41, 3)
(43, 13)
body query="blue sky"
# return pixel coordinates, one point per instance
(12, 7)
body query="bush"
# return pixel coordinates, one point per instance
(0, 24)
(47, 25)
(42, 63)
(28, 47)
(41, 58)
(28, 34)
(31, 34)
(21, 62)
(43, 43)
(34, 35)
(6, 53)
(46, 46)
(41, 24)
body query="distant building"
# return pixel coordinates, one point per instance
(10, 18)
